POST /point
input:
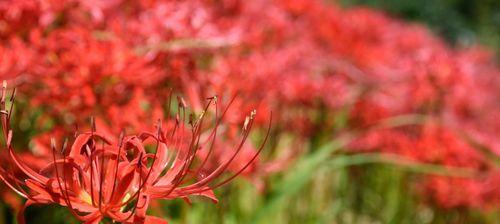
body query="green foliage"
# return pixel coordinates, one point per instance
(49, 214)
(459, 21)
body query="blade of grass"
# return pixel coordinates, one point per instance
(400, 162)
(298, 177)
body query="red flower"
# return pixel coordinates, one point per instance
(97, 176)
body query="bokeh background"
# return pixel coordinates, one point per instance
(384, 111)
(459, 22)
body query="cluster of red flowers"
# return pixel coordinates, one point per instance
(306, 60)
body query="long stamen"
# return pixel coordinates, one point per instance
(212, 136)
(101, 178)
(16, 187)
(185, 167)
(19, 191)
(261, 147)
(190, 156)
(246, 130)
(91, 158)
(5, 175)
(12, 97)
(120, 144)
(196, 133)
(224, 166)
(92, 132)
(64, 178)
(64, 194)
(169, 104)
(7, 135)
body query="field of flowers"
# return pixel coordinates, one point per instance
(233, 111)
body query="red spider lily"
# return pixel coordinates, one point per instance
(97, 176)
